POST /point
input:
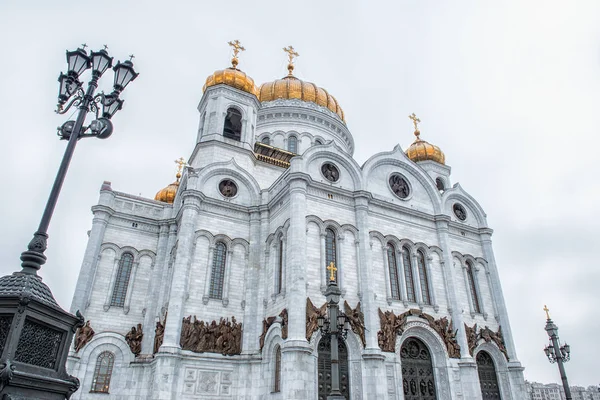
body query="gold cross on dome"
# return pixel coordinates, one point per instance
(291, 55)
(237, 47)
(331, 268)
(180, 164)
(547, 312)
(415, 121)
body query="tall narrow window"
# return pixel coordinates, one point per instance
(217, 275)
(233, 124)
(473, 288)
(103, 372)
(122, 281)
(330, 254)
(408, 275)
(280, 267)
(266, 140)
(423, 278)
(393, 268)
(277, 380)
(293, 144)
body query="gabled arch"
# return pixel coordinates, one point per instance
(231, 168)
(457, 193)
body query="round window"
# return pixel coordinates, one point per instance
(228, 188)
(330, 172)
(399, 186)
(459, 211)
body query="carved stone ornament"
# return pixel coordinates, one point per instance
(83, 336)
(159, 334)
(459, 211)
(471, 337)
(399, 186)
(330, 172)
(356, 318)
(312, 313)
(134, 339)
(224, 337)
(6, 373)
(267, 322)
(489, 335)
(393, 325)
(228, 188)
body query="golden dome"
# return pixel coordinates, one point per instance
(291, 87)
(232, 77)
(421, 150)
(167, 195)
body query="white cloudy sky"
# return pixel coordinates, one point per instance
(510, 90)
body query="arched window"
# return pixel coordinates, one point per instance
(103, 372)
(280, 267)
(318, 142)
(393, 267)
(122, 281)
(266, 140)
(202, 120)
(408, 275)
(488, 381)
(330, 254)
(293, 144)
(277, 377)
(217, 275)
(473, 288)
(423, 278)
(233, 124)
(440, 184)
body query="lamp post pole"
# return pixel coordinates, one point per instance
(557, 353)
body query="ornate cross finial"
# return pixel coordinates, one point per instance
(83, 46)
(331, 268)
(131, 57)
(180, 164)
(547, 312)
(415, 121)
(237, 47)
(105, 47)
(291, 55)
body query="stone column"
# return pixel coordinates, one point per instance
(252, 318)
(185, 239)
(432, 294)
(297, 364)
(87, 274)
(129, 292)
(402, 276)
(322, 271)
(166, 274)
(373, 368)
(467, 366)
(417, 280)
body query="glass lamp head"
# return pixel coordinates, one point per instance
(124, 74)
(101, 61)
(110, 105)
(320, 321)
(78, 62)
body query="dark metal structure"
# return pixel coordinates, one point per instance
(557, 353)
(488, 379)
(333, 328)
(35, 332)
(417, 371)
(324, 368)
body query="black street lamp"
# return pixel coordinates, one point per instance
(35, 332)
(334, 326)
(557, 353)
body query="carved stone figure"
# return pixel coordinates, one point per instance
(83, 336)
(471, 337)
(134, 339)
(224, 337)
(393, 325)
(356, 318)
(312, 313)
(159, 335)
(489, 335)
(267, 322)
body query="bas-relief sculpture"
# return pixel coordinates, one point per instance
(312, 313)
(355, 316)
(83, 336)
(134, 339)
(487, 335)
(393, 325)
(159, 334)
(224, 337)
(267, 322)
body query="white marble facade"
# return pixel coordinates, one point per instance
(173, 248)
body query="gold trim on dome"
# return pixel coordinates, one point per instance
(167, 195)
(232, 76)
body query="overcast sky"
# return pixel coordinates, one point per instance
(510, 90)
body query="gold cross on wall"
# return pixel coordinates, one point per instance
(547, 311)
(331, 268)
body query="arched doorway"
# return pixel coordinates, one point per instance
(417, 371)
(488, 380)
(324, 368)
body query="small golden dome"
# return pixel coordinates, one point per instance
(167, 195)
(232, 77)
(291, 87)
(421, 150)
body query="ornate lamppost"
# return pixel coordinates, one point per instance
(35, 332)
(332, 327)
(557, 353)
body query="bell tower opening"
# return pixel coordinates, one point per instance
(233, 124)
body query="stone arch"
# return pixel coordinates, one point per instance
(231, 168)
(501, 365)
(331, 151)
(457, 193)
(439, 356)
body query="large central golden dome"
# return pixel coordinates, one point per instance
(291, 87)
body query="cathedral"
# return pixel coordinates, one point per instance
(215, 289)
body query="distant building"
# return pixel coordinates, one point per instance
(540, 391)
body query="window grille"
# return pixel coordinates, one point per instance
(393, 269)
(408, 275)
(423, 278)
(233, 124)
(277, 380)
(103, 372)
(122, 281)
(293, 144)
(330, 254)
(217, 276)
